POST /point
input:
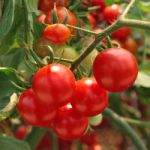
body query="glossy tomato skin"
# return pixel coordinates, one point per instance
(115, 69)
(21, 132)
(46, 5)
(68, 126)
(41, 18)
(89, 98)
(91, 20)
(33, 112)
(54, 84)
(57, 33)
(62, 13)
(89, 138)
(130, 44)
(111, 13)
(100, 3)
(122, 33)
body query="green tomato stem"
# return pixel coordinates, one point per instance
(127, 8)
(81, 29)
(135, 23)
(136, 122)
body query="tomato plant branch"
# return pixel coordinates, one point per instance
(97, 40)
(135, 23)
(63, 59)
(121, 123)
(81, 29)
(137, 122)
(107, 31)
(127, 8)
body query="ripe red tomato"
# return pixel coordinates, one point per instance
(62, 13)
(47, 5)
(45, 143)
(54, 84)
(111, 13)
(57, 33)
(41, 18)
(115, 69)
(122, 33)
(130, 44)
(21, 132)
(90, 138)
(34, 112)
(89, 98)
(68, 126)
(100, 3)
(91, 20)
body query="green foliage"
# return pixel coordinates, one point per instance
(7, 18)
(9, 143)
(144, 6)
(110, 2)
(8, 81)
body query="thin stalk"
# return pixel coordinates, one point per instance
(121, 123)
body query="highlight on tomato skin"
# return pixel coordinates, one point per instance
(111, 13)
(54, 84)
(67, 125)
(119, 70)
(89, 99)
(57, 33)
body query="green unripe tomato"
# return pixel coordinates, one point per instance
(66, 52)
(88, 61)
(96, 120)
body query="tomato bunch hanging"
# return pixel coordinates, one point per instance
(58, 98)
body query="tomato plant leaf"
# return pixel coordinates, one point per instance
(144, 6)
(12, 58)
(16, 33)
(9, 143)
(143, 79)
(33, 5)
(110, 2)
(8, 80)
(7, 18)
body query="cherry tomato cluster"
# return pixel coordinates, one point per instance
(57, 101)
(107, 15)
